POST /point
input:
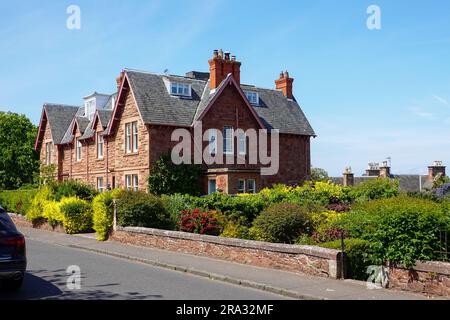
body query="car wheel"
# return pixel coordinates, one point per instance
(12, 284)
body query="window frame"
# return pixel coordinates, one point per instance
(135, 136)
(48, 153)
(249, 190)
(78, 150)
(100, 188)
(241, 190)
(244, 140)
(225, 138)
(182, 89)
(212, 144)
(254, 94)
(132, 182)
(100, 145)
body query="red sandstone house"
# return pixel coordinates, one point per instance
(113, 140)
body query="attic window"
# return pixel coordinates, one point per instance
(180, 89)
(90, 109)
(252, 97)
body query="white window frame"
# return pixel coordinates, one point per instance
(100, 146)
(132, 182)
(252, 97)
(242, 143)
(79, 150)
(131, 137)
(90, 108)
(48, 153)
(100, 184)
(212, 141)
(128, 138)
(241, 190)
(135, 136)
(180, 89)
(226, 138)
(251, 190)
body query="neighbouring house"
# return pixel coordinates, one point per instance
(407, 182)
(112, 141)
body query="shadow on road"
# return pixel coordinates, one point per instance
(51, 285)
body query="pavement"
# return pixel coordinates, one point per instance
(269, 281)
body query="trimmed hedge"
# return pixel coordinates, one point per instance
(77, 215)
(358, 255)
(73, 188)
(283, 223)
(18, 201)
(139, 209)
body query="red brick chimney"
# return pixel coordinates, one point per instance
(221, 65)
(285, 84)
(119, 80)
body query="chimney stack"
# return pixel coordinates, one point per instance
(284, 83)
(373, 170)
(221, 65)
(436, 169)
(119, 80)
(385, 170)
(349, 177)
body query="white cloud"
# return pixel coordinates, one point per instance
(421, 113)
(440, 99)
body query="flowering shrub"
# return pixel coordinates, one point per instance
(197, 221)
(442, 191)
(328, 235)
(339, 207)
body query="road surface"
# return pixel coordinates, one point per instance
(105, 277)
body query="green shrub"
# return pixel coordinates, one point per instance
(283, 222)
(73, 188)
(234, 229)
(77, 215)
(103, 211)
(373, 189)
(358, 256)
(244, 208)
(168, 178)
(175, 204)
(18, 201)
(52, 212)
(139, 209)
(401, 229)
(36, 209)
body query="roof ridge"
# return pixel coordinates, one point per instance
(163, 75)
(49, 104)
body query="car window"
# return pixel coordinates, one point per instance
(6, 223)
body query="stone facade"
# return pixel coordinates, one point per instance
(310, 260)
(229, 107)
(431, 278)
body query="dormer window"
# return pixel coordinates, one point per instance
(90, 109)
(252, 97)
(180, 89)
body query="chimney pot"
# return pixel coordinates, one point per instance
(215, 54)
(221, 66)
(285, 84)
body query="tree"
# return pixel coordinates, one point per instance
(169, 178)
(318, 174)
(19, 162)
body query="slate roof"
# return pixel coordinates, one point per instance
(407, 183)
(59, 117)
(105, 116)
(157, 106)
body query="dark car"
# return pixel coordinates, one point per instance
(13, 261)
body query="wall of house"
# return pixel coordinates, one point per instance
(46, 139)
(79, 169)
(134, 163)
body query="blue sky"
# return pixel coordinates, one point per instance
(368, 94)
